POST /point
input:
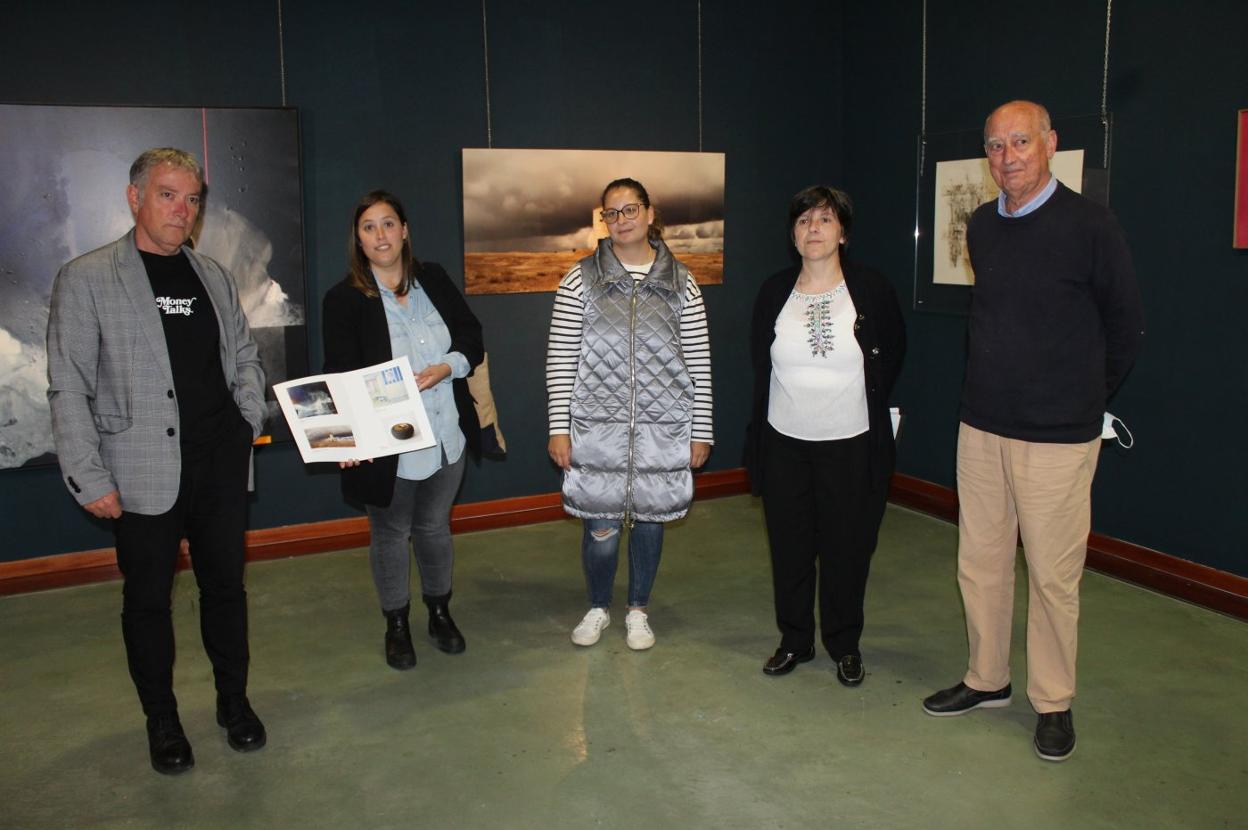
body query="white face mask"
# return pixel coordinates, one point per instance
(1108, 432)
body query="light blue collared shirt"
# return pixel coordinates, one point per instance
(418, 331)
(1034, 204)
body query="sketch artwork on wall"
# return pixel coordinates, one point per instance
(66, 170)
(962, 185)
(530, 215)
(952, 180)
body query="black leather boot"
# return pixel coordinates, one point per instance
(243, 730)
(441, 627)
(167, 744)
(399, 652)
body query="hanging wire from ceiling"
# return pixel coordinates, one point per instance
(485, 50)
(1109, 6)
(281, 50)
(699, 76)
(923, 93)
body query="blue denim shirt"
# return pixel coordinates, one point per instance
(418, 331)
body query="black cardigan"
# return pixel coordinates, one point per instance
(881, 334)
(355, 335)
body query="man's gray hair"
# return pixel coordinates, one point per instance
(153, 158)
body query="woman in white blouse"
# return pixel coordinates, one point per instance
(826, 346)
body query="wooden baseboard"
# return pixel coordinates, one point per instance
(924, 496)
(100, 565)
(1180, 578)
(1199, 584)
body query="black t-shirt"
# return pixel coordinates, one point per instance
(206, 410)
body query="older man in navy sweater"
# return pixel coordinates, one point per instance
(1056, 323)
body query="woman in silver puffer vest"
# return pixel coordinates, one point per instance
(628, 376)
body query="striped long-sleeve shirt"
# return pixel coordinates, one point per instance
(563, 352)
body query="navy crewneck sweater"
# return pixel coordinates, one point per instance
(1056, 320)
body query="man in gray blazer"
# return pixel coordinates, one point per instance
(157, 393)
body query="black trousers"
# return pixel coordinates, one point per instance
(211, 513)
(820, 508)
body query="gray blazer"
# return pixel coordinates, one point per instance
(110, 386)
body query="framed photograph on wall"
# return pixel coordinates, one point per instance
(953, 180)
(66, 170)
(530, 215)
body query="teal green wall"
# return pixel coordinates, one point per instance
(1176, 80)
(793, 93)
(387, 98)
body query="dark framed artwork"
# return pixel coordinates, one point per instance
(1241, 182)
(953, 180)
(65, 171)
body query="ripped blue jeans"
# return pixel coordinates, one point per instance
(600, 554)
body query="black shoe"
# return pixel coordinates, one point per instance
(442, 628)
(243, 729)
(167, 744)
(1055, 736)
(849, 670)
(399, 652)
(783, 662)
(960, 699)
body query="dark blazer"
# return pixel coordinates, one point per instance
(881, 334)
(355, 335)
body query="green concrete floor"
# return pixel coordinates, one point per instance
(526, 730)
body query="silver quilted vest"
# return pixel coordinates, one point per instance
(632, 402)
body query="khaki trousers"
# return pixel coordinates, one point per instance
(1044, 491)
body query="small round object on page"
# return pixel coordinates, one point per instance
(402, 430)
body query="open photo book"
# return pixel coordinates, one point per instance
(364, 414)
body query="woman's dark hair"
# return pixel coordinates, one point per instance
(819, 195)
(655, 231)
(359, 271)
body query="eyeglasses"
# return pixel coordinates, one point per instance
(611, 215)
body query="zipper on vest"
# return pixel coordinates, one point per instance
(632, 403)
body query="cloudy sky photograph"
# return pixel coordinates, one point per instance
(545, 200)
(66, 170)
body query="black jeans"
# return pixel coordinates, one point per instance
(211, 513)
(820, 507)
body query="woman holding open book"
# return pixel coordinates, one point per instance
(390, 305)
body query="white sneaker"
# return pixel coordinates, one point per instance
(640, 637)
(590, 627)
